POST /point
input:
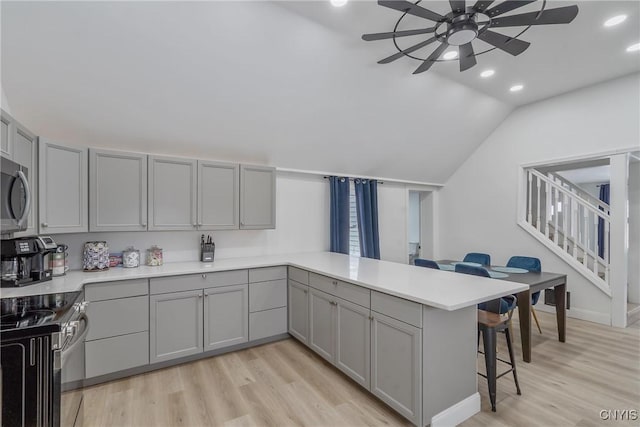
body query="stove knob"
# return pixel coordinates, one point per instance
(83, 307)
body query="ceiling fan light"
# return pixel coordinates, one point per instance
(634, 47)
(516, 88)
(452, 54)
(487, 73)
(338, 3)
(619, 19)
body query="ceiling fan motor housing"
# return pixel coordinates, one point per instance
(462, 30)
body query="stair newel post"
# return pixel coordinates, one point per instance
(596, 245)
(575, 227)
(547, 219)
(585, 248)
(529, 207)
(565, 222)
(555, 216)
(538, 204)
(606, 250)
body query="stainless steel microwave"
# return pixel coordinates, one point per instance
(15, 197)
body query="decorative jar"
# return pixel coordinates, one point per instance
(130, 257)
(154, 256)
(95, 256)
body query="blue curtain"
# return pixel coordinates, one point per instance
(604, 197)
(367, 211)
(339, 216)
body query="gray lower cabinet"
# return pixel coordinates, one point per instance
(226, 316)
(267, 323)
(118, 191)
(63, 188)
(299, 311)
(322, 320)
(257, 197)
(172, 193)
(116, 353)
(218, 195)
(396, 365)
(175, 325)
(353, 341)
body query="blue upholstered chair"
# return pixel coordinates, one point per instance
(484, 259)
(491, 320)
(533, 265)
(426, 263)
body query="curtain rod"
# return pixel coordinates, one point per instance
(387, 180)
(353, 179)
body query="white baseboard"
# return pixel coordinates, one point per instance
(580, 313)
(458, 413)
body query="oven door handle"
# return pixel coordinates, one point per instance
(76, 340)
(27, 198)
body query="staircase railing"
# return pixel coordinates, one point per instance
(580, 192)
(569, 224)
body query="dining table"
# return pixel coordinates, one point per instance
(537, 282)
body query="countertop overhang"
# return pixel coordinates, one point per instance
(435, 288)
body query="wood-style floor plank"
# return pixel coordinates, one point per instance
(285, 384)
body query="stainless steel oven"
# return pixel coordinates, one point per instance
(15, 197)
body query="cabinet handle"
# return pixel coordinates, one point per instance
(204, 276)
(199, 295)
(144, 224)
(44, 224)
(305, 291)
(370, 317)
(206, 295)
(334, 303)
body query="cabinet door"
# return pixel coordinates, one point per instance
(257, 197)
(63, 184)
(175, 325)
(218, 195)
(226, 316)
(322, 324)
(6, 141)
(117, 191)
(396, 365)
(299, 311)
(25, 153)
(353, 341)
(172, 193)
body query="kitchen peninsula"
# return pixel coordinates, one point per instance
(406, 334)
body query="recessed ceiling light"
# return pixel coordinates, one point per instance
(619, 19)
(452, 54)
(634, 47)
(339, 3)
(516, 88)
(487, 73)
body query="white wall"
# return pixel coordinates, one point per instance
(634, 232)
(302, 226)
(414, 217)
(478, 203)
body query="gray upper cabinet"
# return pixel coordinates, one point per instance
(175, 325)
(396, 365)
(172, 193)
(6, 140)
(299, 311)
(117, 191)
(25, 153)
(353, 341)
(63, 188)
(218, 195)
(257, 197)
(226, 316)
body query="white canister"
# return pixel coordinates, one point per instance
(131, 257)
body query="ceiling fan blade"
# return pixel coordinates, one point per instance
(408, 50)
(561, 15)
(431, 59)
(411, 9)
(507, 6)
(383, 36)
(467, 58)
(457, 6)
(510, 45)
(482, 5)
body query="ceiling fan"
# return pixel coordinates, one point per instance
(464, 24)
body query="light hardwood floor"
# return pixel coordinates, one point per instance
(284, 383)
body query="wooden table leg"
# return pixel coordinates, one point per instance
(561, 310)
(524, 310)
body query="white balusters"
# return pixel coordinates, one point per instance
(596, 246)
(538, 205)
(566, 229)
(529, 207)
(555, 215)
(575, 227)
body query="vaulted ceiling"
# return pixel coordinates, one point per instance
(289, 84)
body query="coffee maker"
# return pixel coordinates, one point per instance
(23, 260)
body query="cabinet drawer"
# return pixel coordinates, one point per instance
(116, 354)
(300, 276)
(267, 295)
(118, 317)
(165, 285)
(113, 290)
(401, 309)
(354, 293)
(267, 274)
(267, 323)
(323, 283)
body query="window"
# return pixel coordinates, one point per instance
(354, 237)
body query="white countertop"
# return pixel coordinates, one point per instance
(441, 289)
